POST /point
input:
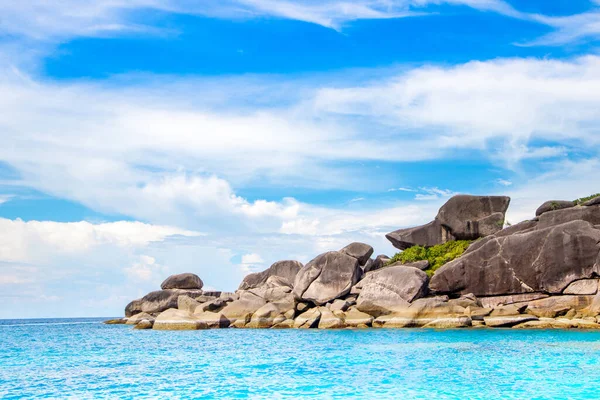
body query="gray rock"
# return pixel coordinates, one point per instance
(511, 309)
(422, 265)
(135, 319)
(558, 217)
(379, 262)
(508, 321)
(543, 260)
(182, 281)
(553, 205)
(327, 277)
(329, 320)
(554, 306)
(462, 217)
(361, 251)
(583, 286)
(449, 323)
(144, 324)
(176, 320)
(495, 301)
(212, 319)
(158, 301)
(274, 289)
(186, 303)
(339, 305)
(389, 288)
(243, 308)
(354, 318)
(593, 202)
(285, 269)
(309, 319)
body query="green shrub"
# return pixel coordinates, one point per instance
(437, 255)
(584, 199)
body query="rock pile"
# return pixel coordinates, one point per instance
(542, 273)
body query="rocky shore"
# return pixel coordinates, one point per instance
(540, 273)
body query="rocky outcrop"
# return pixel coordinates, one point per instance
(283, 269)
(553, 205)
(327, 277)
(543, 260)
(182, 281)
(390, 288)
(540, 273)
(158, 301)
(461, 218)
(361, 251)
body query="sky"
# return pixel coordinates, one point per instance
(143, 138)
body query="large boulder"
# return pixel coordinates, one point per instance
(542, 260)
(182, 281)
(275, 288)
(158, 301)
(558, 217)
(552, 205)
(284, 269)
(361, 251)
(243, 308)
(387, 289)
(463, 217)
(379, 262)
(327, 277)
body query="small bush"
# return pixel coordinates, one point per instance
(437, 255)
(584, 199)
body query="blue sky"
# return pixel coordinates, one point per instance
(143, 138)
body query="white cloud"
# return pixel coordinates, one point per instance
(24, 241)
(251, 263)
(145, 269)
(569, 29)
(433, 194)
(401, 189)
(504, 182)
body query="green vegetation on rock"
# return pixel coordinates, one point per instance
(437, 255)
(584, 199)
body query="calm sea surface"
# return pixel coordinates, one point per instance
(82, 358)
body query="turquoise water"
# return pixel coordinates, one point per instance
(83, 358)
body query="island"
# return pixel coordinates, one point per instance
(468, 268)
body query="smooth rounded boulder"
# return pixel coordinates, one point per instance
(327, 277)
(182, 281)
(361, 251)
(390, 288)
(286, 269)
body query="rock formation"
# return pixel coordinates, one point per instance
(537, 274)
(461, 218)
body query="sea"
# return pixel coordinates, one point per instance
(85, 359)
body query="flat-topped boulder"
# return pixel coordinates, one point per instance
(182, 281)
(177, 320)
(543, 260)
(327, 277)
(463, 217)
(286, 269)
